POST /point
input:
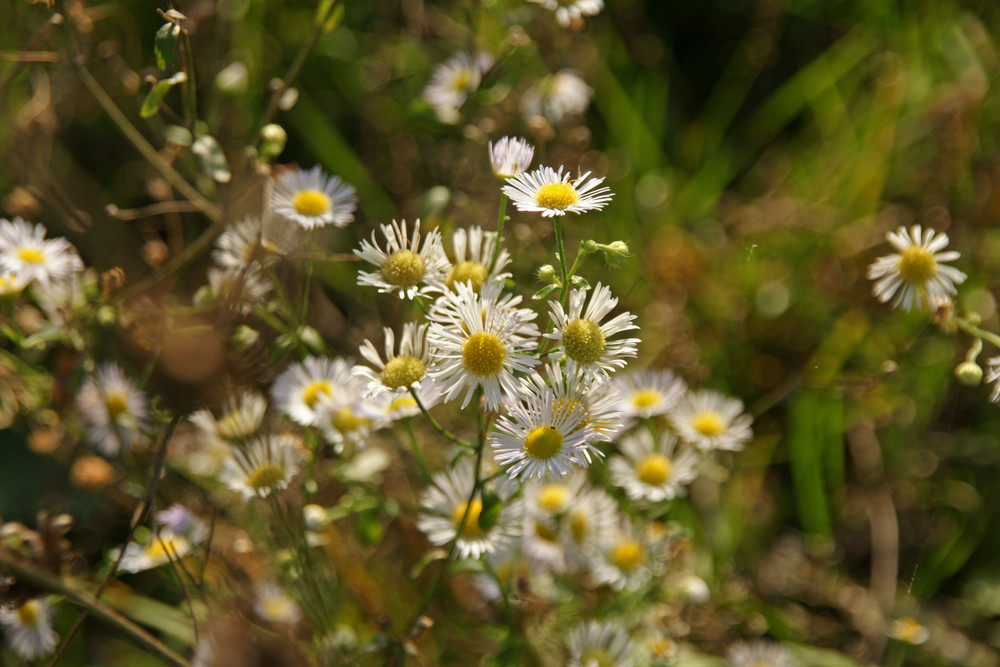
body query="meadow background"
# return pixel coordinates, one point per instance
(758, 151)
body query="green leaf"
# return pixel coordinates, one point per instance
(151, 105)
(545, 291)
(490, 514)
(428, 558)
(335, 17)
(164, 44)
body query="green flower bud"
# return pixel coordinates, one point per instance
(969, 373)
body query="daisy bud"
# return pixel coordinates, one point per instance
(547, 274)
(969, 373)
(272, 141)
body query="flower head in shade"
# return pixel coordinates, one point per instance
(313, 198)
(447, 502)
(647, 393)
(551, 193)
(161, 549)
(237, 288)
(406, 266)
(510, 156)
(400, 370)
(453, 81)
(709, 420)
(473, 254)
(271, 603)
(909, 630)
(584, 336)
(28, 627)
(556, 96)
(264, 465)
(588, 526)
(915, 274)
(480, 341)
(631, 557)
(113, 409)
(651, 469)
(299, 390)
(240, 419)
(348, 419)
(241, 244)
(759, 654)
(25, 252)
(600, 644)
(539, 435)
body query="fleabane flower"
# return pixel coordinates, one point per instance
(28, 627)
(453, 81)
(406, 266)
(708, 420)
(113, 408)
(262, 466)
(313, 198)
(631, 557)
(760, 653)
(647, 393)
(238, 288)
(480, 342)
(992, 375)
(11, 283)
(591, 393)
(240, 244)
(583, 335)
(473, 253)
(401, 370)
(539, 435)
(600, 644)
(161, 549)
(449, 501)
(25, 252)
(916, 273)
(551, 193)
(300, 388)
(556, 96)
(653, 470)
(240, 419)
(510, 156)
(271, 603)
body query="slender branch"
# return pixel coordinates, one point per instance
(973, 330)
(500, 222)
(437, 426)
(561, 251)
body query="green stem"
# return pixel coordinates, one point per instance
(191, 108)
(418, 453)
(500, 221)
(561, 251)
(437, 426)
(973, 330)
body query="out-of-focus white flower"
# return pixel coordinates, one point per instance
(453, 81)
(29, 629)
(271, 603)
(908, 630)
(708, 420)
(264, 465)
(653, 470)
(162, 548)
(759, 653)
(301, 387)
(25, 252)
(556, 96)
(510, 156)
(113, 409)
(600, 644)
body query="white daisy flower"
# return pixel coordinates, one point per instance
(447, 501)
(240, 288)
(389, 407)
(546, 504)
(600, 644)
(550, 192)
(510, 156)
(313, 198)
(241, 244)
(630, 558)
(300, 388)
(480, 342)
(588, 526)
(473, 254)
(453, 81)
(347, 419)
(399, 371)
(653, 470)
(538, 435)
(262, 466)
(584, 338)
(594, 393)
(556, 96)
(759, 654)
(180, 521)
(25, 252)
(113, 409)
(162, 548)
(648, 393)
(915, 274)
(405, 264)
(241, 418)
(272, 604)
(29, 629)
(709, 420)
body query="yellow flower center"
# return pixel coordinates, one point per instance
(31, 255)
(483, 354)
(9, 284)
(403, 403)
(29, 613)
(627, 555)
(346, 421)
(116, 404)
(313, 391)
(708, 423)
(654, 470)
(402, 371)
(645, 398)
(909, 631)
(266, 477)
(471, 528)
(473, 272)
(559, 196)
(597, 656)
(917, 265)
(460, 80)
(761, 664)
(278, 608)
(584, 341)
(553, 498)
(579, 526)
(235, 426)
(543, 443)
(403, 268)
(545, 532)
(311, 203)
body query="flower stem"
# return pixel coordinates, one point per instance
(500, 220)
(437, 426)
(561, 251)
(973, 330)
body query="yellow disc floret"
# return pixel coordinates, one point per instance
(473, 272)
(403, 371)
(31, 255)
(708, 423)
(116, 404)
(645, 398)
(553, 498)
(311, 392)
(483, 354)
(543, 443)
(311, 203)
(346, 421)
(28, 613)
(627, 555)
(917, 265)
(403, 268)
(559, 196)
(654, 470)
(266, 477)
(584, 341)
(471, 528)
